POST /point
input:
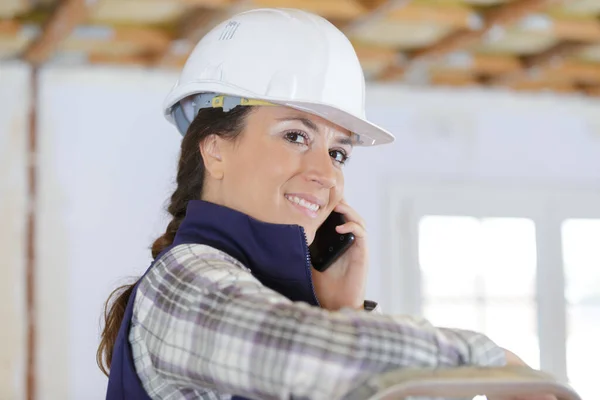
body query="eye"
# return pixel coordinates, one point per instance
(339, 156)
(297, 137)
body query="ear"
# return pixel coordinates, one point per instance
(210, 148)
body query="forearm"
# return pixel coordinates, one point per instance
(240, 337)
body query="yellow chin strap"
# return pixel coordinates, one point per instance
(219, 102)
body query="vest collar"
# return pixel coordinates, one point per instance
(277, 255)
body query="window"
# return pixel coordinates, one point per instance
(479, 274)
(521, 265)
(581, 256)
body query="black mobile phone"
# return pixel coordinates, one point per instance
(328, 244)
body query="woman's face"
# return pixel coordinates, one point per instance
(286, 167)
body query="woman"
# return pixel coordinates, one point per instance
(271, 104)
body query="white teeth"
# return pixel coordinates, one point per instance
(303, 203)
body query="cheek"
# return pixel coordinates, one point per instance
(337, 192)
(259, 175)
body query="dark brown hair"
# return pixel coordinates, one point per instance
(190, 180)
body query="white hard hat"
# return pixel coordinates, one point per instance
(276, 56)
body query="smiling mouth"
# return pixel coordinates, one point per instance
(303, 203)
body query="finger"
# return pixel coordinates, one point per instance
(352, 227)
(350, 214)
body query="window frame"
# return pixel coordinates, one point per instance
(547, 208)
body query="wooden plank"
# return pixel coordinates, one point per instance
(577, 29)
(336, 9)
(150, 39)
(199, 23)
(539, 85)
(452, 78)
(68, 14)
(494, 65)
(118, 41)
(9, 27)
(10, 8)
(197, 3)
(377, 10)
(194, 27)
(30, 267)
(505, 14)
(592, 91)
(582, 73)
(540, 62)
(477, 64)
(557, 52)
(392, 73)
(459, 17)
(375, 53)
(123, 60)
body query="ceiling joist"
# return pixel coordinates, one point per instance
(520, 44)
(504, 15)
(68, 14)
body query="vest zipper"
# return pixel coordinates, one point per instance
(309, 265)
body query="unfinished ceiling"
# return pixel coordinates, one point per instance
(522, 44)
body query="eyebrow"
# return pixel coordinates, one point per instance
(312, 126)
(305, 121)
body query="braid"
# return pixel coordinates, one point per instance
(190, 181)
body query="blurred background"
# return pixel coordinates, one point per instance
(485, 213)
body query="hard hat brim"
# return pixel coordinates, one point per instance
(369, 134)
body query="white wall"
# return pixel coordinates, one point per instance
(471, 136)
(108, 160)
(14, 90)
(108, 164)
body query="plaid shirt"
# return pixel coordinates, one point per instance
(204, 327)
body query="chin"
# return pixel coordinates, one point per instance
(310, 236)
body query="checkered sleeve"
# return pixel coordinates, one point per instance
(208, 323)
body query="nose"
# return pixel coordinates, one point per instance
(321, 169)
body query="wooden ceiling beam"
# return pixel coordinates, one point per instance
(557, 52)
(476, 64)
(537, 85)
(592, 91)
(134, 39)
(331, 9)
(576, 29)
(503, 15)
(193, 28)
(198, 3)
(68, 14)
(9, 27)
(153, 40)
(536, 64)
(459, 17)
(379, 11)
(370, 53)
(121, 60)
(495, 65)
(453, 78)
(579, 72)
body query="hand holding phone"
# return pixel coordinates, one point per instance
(340, 260)
(328, 245)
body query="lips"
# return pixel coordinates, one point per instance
(303, 202)
(307, 204)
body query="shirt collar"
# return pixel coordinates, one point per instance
(276, 254)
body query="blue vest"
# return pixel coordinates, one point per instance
(277, 255)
